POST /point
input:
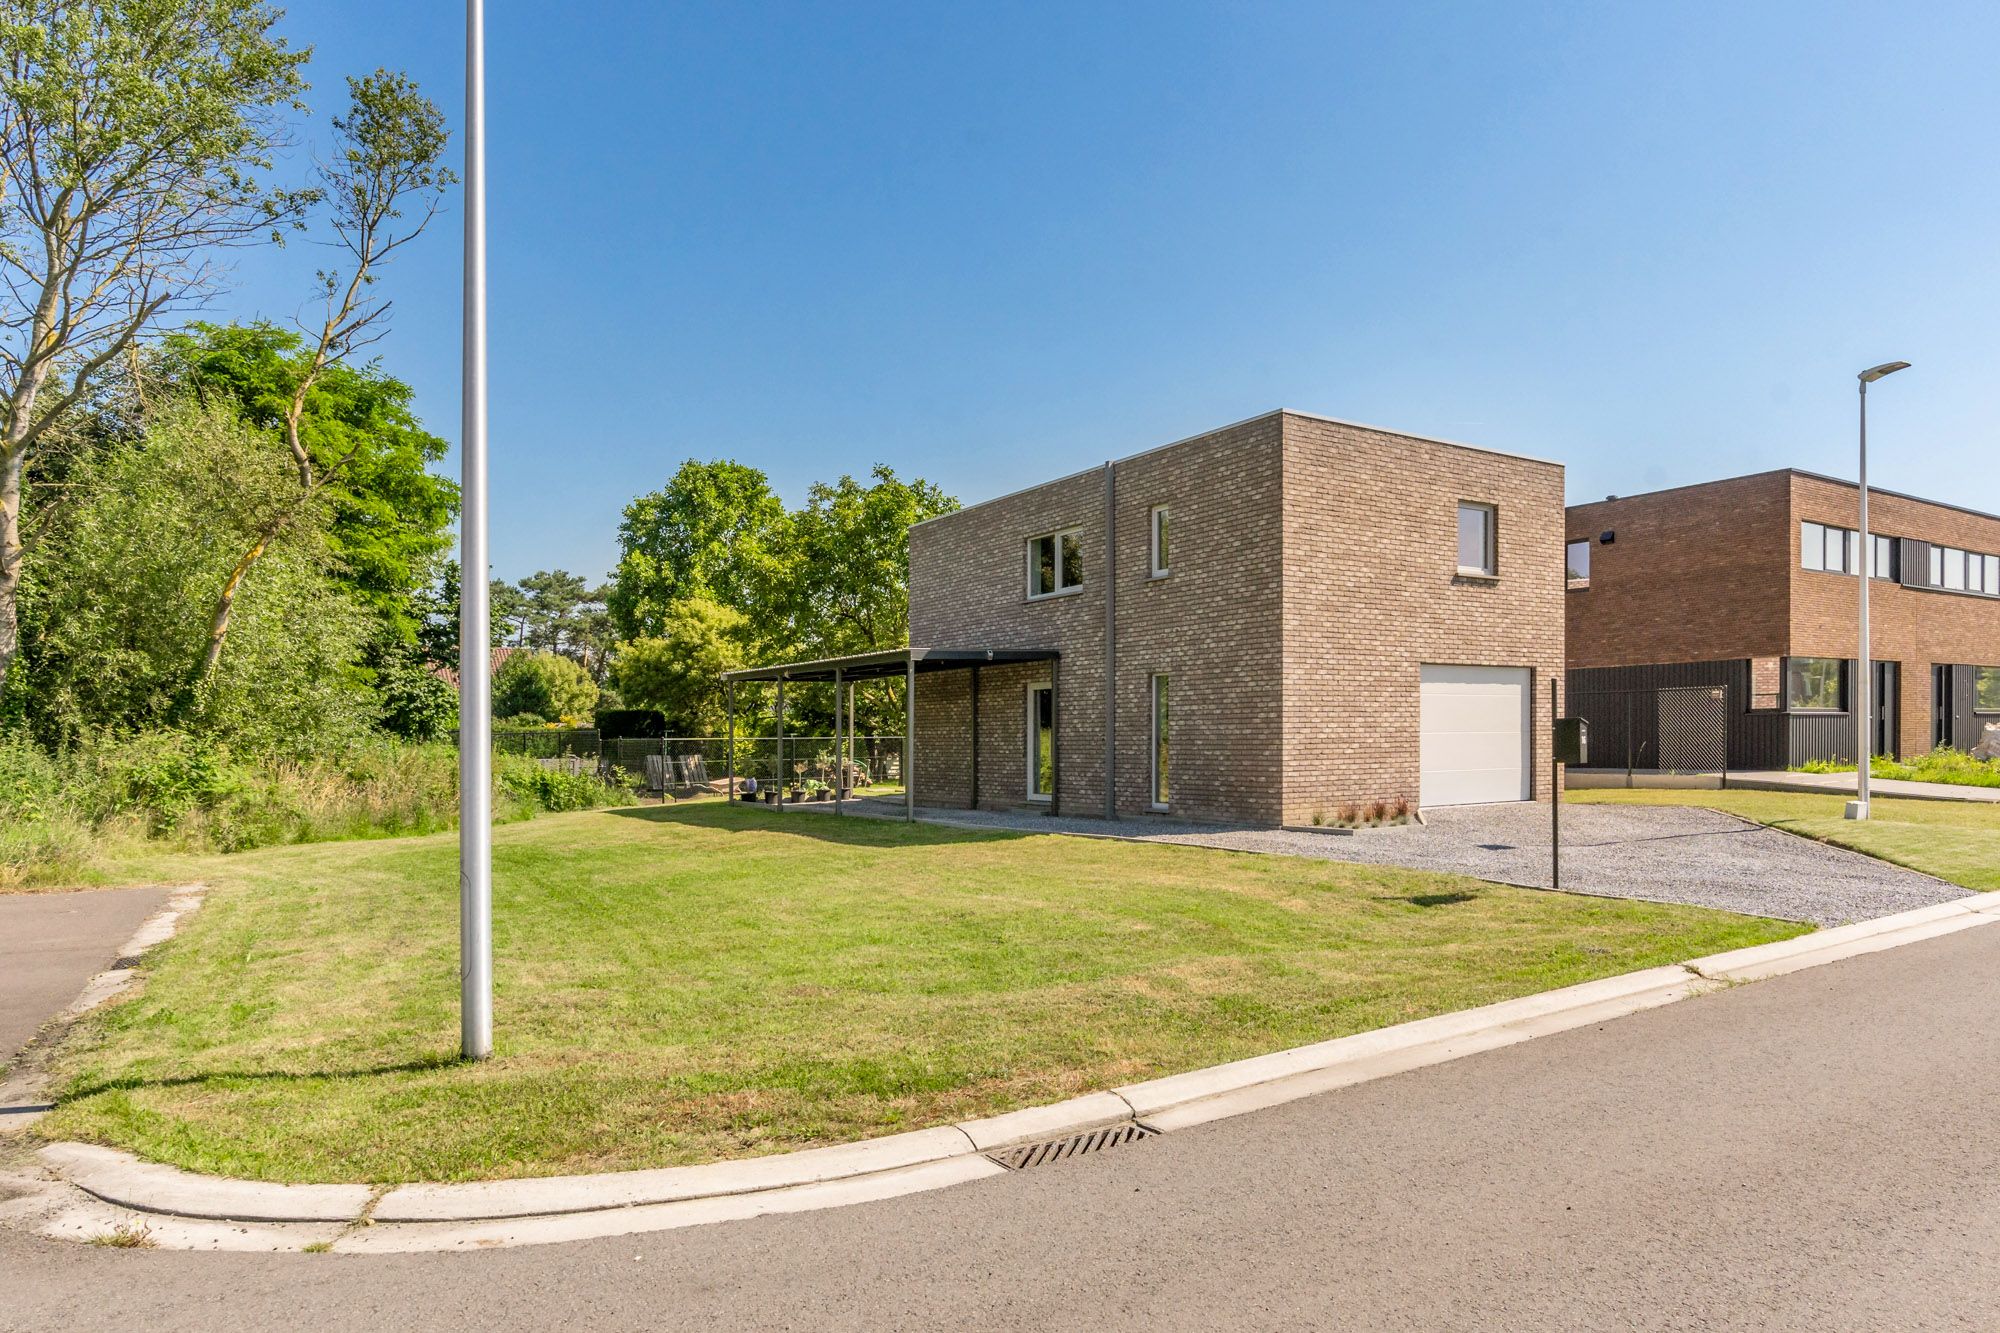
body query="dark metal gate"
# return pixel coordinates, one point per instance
(1694, 729)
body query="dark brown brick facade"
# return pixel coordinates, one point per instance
(1313, 570)
(1712, 572)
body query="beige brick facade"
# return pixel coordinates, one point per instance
(1312, 571)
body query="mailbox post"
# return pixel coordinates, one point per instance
(1569, 744)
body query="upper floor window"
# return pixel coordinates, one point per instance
(1835, 550)
(1965, 571)
(1883, 560)
(1160, 566)
(1477, 549)
(1576, 561)
(1055, 563)
(1814, 684)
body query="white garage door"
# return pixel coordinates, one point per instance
(1474, 733)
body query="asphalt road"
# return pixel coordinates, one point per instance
(51, 944)
(1814, 1152)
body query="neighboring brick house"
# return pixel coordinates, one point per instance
(1291, 614)
(1749, 585)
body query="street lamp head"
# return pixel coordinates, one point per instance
(1873, 373)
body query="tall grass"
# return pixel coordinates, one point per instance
(62, 816)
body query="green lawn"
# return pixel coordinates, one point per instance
(1957, 841)
(684, 984)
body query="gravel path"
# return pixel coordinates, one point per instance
(1670, 854)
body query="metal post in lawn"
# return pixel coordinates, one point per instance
(475, 679)
(1555, 798)
(910, 740)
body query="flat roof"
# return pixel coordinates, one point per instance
(891, 662)
(1791, 472)
(1261, 416)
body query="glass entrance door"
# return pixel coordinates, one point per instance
(1041, 743)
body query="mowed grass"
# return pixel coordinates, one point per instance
(1957, 841)
(685, 984)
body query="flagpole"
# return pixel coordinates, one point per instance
(475, 680)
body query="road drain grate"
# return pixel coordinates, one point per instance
(1038, 1154)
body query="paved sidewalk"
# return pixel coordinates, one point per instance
(51, 944)
(1842, 784)
(1673, 854)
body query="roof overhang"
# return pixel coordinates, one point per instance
(892, 662)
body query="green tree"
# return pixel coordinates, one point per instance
(544, 684)
(678, 671)
(390, 514)
(846, 585)
(416, 702)
(152, 523)
(713, 531)
(391, 146)
(135, 138)
(555, 601)
(508, 612)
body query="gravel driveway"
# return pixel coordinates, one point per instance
(1669, 854)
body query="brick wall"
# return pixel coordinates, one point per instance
(1372, 593)
(1913, 626)
(1697, 574)
(1312, 571)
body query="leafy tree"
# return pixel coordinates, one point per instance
(392, 143)
(713, 531)
(545, 684)
(391, 515)
(555, 601)
(135, 139)
(436, 609)
(508, 611)
(417, 703)
(678, 670)
(150, 525)
(847, 588)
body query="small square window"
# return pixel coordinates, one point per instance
(1476, 546)
(1576, 561)
(1160, 565)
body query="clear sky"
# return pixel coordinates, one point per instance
(991, 245)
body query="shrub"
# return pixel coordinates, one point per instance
(546, 684)
(553, 790)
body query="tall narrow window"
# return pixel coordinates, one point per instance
(1882, 563)
(1159, 742)
(1041, 743)
(1576, 560)
(1954, 568)
(1812, 546)
(1476, 548)
(1160, 541)
(1055, 563)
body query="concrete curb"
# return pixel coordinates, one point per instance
(487, 1213)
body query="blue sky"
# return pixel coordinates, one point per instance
(993, 245)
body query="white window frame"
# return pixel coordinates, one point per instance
(1029, 752)
(1160, 680)
(1159, 568)
(1491, 568)
(1061, 589)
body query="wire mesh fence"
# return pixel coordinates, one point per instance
(665, 763)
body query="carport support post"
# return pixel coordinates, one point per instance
(839, 748)
(910, 740)
(778, 770)
(728, 743)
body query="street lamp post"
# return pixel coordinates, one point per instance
(1864, 731)
(475, 678)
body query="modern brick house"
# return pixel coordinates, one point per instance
(1260, 623)
(1748, 585)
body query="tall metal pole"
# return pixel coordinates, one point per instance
(910, 740)
(1863, 740)
(475, 681)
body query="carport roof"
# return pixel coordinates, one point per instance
(891, 662)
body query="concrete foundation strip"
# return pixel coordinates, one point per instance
(194, 1209)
